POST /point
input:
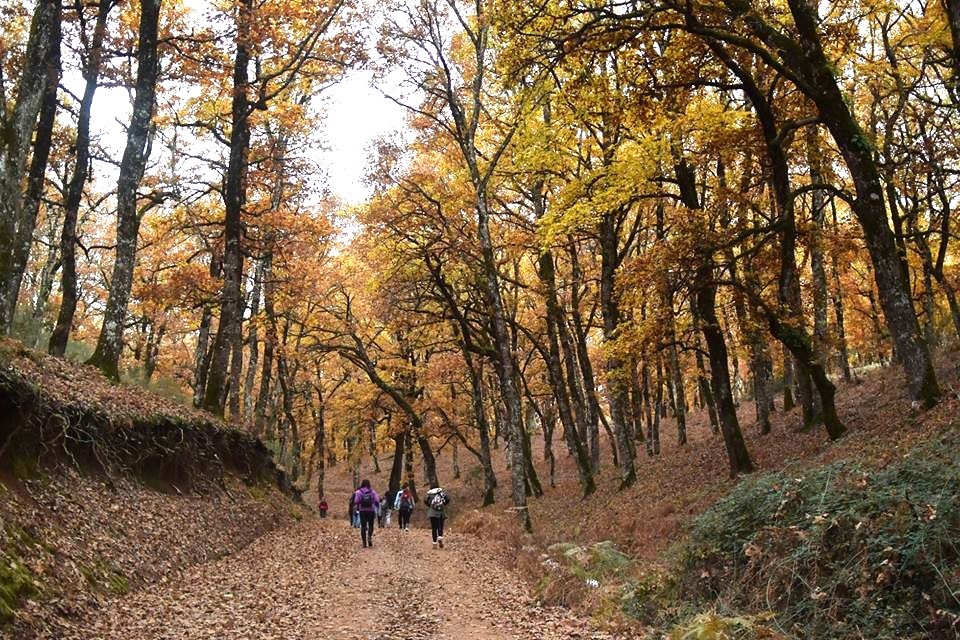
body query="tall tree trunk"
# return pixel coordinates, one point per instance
(929, 308)
(153, 350)
(869, 206)
(763, 396)
(318, 448)
(396, 469)
(557, 382)
(372, 433)
(411, 480)
(483, 428)
(284, 380)
(253, 342)
(74, 192)
(761, 364)
(549, 426)
(821, 296)
(703, 383)
(589, 391)
(616, 384)
(836, 296)
(269, 342)
(936, 181)
(200, 356)
(533, 478)
(788, 382)
(636, 403)
(16, 134)
(653, 436)
(236, 371)
(680, 398)
(36, 178)
(106, 356)
(42, 300)
(455, 456)
(505, 366)
(953, 17)
(706, 295)
(800, 345)
(647, 405)
(234, 199)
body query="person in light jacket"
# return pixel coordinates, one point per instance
(403, 503)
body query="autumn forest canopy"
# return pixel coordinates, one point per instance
(601, 218)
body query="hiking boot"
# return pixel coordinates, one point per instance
(434, 544)
(440, 541)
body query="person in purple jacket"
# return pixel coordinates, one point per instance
(367, 502)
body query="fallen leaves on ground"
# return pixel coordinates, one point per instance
(314, 580)
(76, 388)
(88, 541)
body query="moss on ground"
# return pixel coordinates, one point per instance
(17, 580)
(103, 576)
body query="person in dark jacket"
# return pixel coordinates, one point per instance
(403, 503)
(367, 502)
(436, 501)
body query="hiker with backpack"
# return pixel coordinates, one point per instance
(403, 503)
(323, 507)
(437, 501)
(368, 504)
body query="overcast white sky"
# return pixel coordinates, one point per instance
(357, 114)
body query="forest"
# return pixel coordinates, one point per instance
(603, 215)
(601, 219)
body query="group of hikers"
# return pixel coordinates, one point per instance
(367, 506)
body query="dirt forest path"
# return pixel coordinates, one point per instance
(315, 581)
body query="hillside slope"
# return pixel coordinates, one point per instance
(105, 489)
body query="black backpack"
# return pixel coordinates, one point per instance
(366, 500)
(438, 501)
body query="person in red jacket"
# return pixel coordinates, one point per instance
(323, 507)
(367, 502)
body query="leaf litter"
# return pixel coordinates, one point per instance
(314, 580)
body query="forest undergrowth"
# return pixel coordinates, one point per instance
(849, 539)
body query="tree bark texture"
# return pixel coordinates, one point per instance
(234, 199)
(36, 177)
(616, 382)
(737, 454)
(868, 206)
(555, 373)
(16, 134)
(106, 356)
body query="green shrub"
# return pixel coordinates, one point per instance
(713, 626)
(600, 561)
(842, 551)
